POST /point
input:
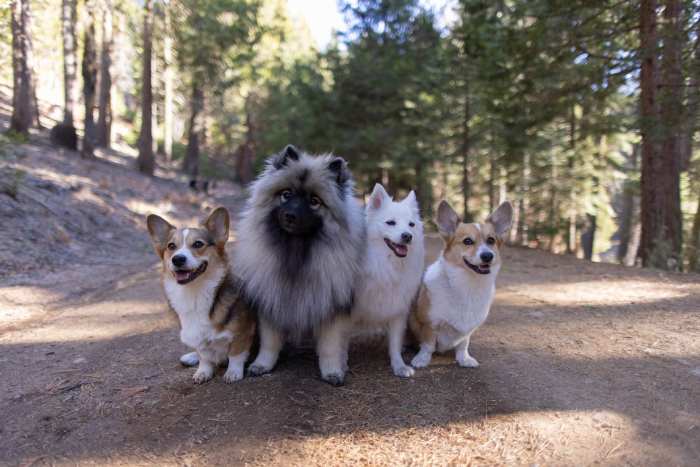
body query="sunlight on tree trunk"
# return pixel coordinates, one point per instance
(70, 60)
(168, 77)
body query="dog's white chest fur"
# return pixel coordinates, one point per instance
(192, 303)
(388, 285)
(459, 300)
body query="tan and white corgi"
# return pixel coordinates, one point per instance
(458, 288)
(204, 293)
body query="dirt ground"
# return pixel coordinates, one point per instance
(581, 363)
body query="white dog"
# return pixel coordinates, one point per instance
(391, 276)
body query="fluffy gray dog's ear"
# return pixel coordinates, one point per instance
(281, 159)
(339, 168)
(159, 230)
(447, 219)
(502, 218)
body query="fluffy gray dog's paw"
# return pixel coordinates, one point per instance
(256, 369)
(334, 379)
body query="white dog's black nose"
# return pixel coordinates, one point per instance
(179, 260)
(406, 237)
(486, 256)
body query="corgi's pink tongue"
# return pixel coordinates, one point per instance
(182, 275)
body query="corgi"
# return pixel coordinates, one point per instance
(204, 293)
(458, 288)
(392, 268)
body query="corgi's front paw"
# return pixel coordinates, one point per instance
(233, 374)
(467, 361)
(404, 371)
(203, 374)
(421, 360)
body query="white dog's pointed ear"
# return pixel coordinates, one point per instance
(378, 196)
(447, 219)
(501, 218)
(412, 200)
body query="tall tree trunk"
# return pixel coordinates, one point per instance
(191, 162)
(246, 152)
(89, 73)
(629, 217)
(23, 96)
(588, 236)
(523, 236)
(104, 118)
(694, 243)
(466, 143)
(661, 125)
(69, 18)
(553, 204)
(571, 244)
(146, 159)
(493, 183)
(690, 123)
(168, 75)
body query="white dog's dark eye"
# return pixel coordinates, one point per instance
(468, 241)
(490, 240)
(411, 224)
(198, 244)
(286, 194)
(171, 246)
(315, 202)
(392, 222)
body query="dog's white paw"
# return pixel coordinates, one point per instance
(404, 371)
(421, 360)
(467, 362)
(190, 359)
(202, 375)
(233, 374)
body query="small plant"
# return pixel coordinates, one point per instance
(11, 181)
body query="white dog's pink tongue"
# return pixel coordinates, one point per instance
(401, 249)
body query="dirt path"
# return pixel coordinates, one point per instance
(581, 363)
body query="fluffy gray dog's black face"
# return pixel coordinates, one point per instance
(297, 213)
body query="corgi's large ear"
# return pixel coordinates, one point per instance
(447, 219)
(283, 158)
(159, 230)
(378, 197)
(217, 224)
(501, 218)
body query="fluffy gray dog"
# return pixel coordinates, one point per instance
(299, 247)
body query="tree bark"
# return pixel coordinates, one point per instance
(661, 125)
(466, 142)
(89, 73)
(146, 158)
(70, 59)
(523, 236)
(694, 243)
(168, 75)
(246, 152)
(629, 218)
(588, 237)
(23, 98)
(104, 118)
(571, 235)
(191, 162)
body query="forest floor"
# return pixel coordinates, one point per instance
(581, 363)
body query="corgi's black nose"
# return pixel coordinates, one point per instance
(406, 237)
(179, 260)
(486, 256)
